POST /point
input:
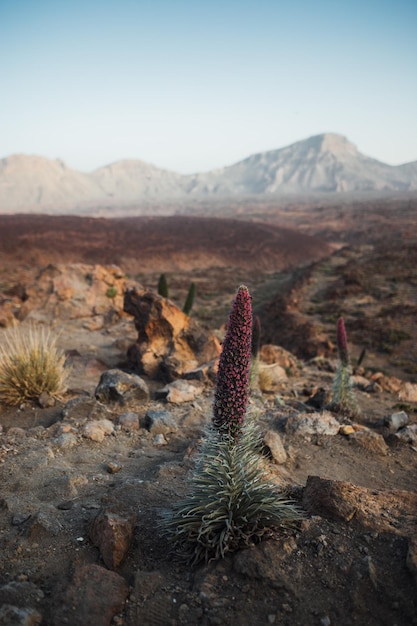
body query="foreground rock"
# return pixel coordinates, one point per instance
(94, 597)
(118, 387)
(383, 510)
(112, 533)
(169, 342)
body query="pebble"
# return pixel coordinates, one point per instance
(113, 468)
(395, 421)
(159, 440)
(96, 430)
(129, 421)
(346, 429)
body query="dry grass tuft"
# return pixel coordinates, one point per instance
(30, 363)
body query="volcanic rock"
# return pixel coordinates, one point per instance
(169, 342)
(75, 291)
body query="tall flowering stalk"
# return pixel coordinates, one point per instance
(231, 503)
(231, 396)
(343, 399)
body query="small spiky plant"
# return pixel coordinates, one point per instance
(231, 503)
(189, 301)
(163, 286)
(343, 399)
(30, 363)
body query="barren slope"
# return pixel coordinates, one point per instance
(156, 244)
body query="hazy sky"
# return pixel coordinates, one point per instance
(191, 85)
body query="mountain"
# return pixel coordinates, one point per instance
(34, 181)
(131, 179)
(324, 163)
(321, 164)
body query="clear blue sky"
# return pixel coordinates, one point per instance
(191, 85)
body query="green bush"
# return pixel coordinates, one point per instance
(163, 286)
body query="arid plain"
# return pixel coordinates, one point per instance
(353, 560)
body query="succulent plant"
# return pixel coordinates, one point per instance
(231, 396)
(343, 399)
(230, 503)
(163, 286)
(189, 301)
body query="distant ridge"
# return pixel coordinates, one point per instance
(320, 164)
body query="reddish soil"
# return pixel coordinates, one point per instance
(333, 570)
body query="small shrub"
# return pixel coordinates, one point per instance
(30, 363)
(189, 301)
(163, 286)
(111, 292)
(231, 502)
(343, 399)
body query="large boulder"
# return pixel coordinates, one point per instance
(75, 291)
(169, 343)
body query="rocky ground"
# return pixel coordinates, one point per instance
(84, 482)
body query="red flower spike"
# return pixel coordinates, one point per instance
(232, 389)
(341, 339)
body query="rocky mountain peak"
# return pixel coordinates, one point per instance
(334, 143)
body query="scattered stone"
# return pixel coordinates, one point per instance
(382, 510)
(264, 562)
(66, 441)
(20, 594)
(77, 407)
(360, 382)
(180, 391)
(346, 429)
(112, 533)
(312, 424)
(373, 442)
(408, 392)
(395, 421)
(160, 422)
(271, 377)
(270, 354)
(45, 400)
(160, 440)
(202, 373)
(129, 421)
(67, 505)
(169, 342)
(320, 398)
(20, 518)
(96, 430)
(113, 468)
(43, 525)
(94, 597)
(273, 442)
(16, 433)
(14, 616)
(116, 386)
(408, 434)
